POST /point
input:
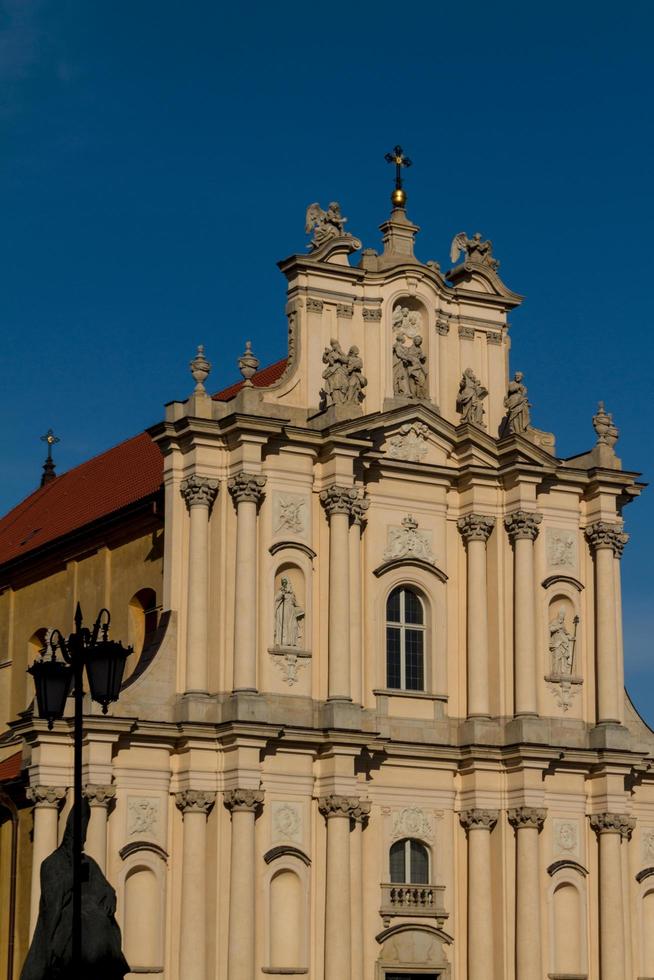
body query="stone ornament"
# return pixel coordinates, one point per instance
(343, 806)
(409, 368)
(359, 510)
(475, 527)
(527, 816)
(345, 309)
(412, 822)
(494, 337)
(195, 801)
(408, 322)
(442, 327)
(248, 364)
(315, 306)
(372, 313)
(478, 818)
(613, 823)
(99, 795)
(343, 376)
(338, 500)
(289, 616)
(243, 800)
(325, 225)
(466, 333)
(474, 249)
(522, 524)
(48, 797)
(290, 663)
(566, 838)
(199, 491)
(286, 823)
(561, 548)
(517, 405)
(410, 443)
(469, 400)
(408, 542)
(647, 844)
(289, 510)
(601, 534)
(246, 487)
(200, 368)
(607, 433)
(142, 815)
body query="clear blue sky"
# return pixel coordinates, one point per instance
(157, 159)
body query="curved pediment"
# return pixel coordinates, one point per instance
(393, 563)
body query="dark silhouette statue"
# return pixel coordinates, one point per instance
(50, 954)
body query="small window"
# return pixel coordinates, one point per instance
(409, 861)
(405, 640)
(141, 625)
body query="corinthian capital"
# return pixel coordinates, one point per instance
(99, 795)
(527, 816)
(195, 801)
(199, 491)
(601, 534)
(475, 527)
(359, 507)
(339, 500)
(246, 486)
(522, 524)
(49, 797)
(613, 823)
(249, 800)
(478, 819)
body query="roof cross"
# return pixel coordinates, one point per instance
(400, 160)
(50, 438)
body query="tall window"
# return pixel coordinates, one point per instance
(409, 861)
(405, 640)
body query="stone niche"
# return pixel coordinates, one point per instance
(289, 642)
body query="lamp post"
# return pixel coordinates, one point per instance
(104, 660)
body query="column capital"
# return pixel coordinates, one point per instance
(527, 816)
(246, 486)
(339, 500)
(344, 806)
(47, 797)
(358, 509)
(195, 801)
(98, 795)
(248, 800)
(522, 524)
(475, 527)
(477, 818)
(602, 534)
(199, 491)
(613, 823)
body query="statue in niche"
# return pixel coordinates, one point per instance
(561, 646)
(288, 616)
(324, 224)
(517, 406)
(470, 397)
(406, 320)
(409, 368)
(343, 376)
(474, 249)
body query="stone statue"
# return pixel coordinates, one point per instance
(474, 249)
(324, 224)
(409, 368)
(343, 376)
(561, 645)
(49, 956)
(517, 406)
(470, 397)
(406, 320)
(356, 379)
(288, 616)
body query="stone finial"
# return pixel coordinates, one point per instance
(612, 823)
(522, 524)
(247, 800)
(195, 801)
(200, 368)
(246, 486)
(475, 527)
(338, 500)
(527, 816)
(248, 364)
(49, 797)
(199, 491)
(478, 819)
(98, 795)
(607, 432)
(602, 534)
(343, 806)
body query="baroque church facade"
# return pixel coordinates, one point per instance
(374, 725)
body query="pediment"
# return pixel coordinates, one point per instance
(477, 277)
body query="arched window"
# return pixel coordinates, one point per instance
(141, 625)
(405, 640)
(409, 863)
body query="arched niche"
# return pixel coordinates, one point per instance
(567, 913)
(287, 921)
(143, 916)
(142, 622)
(645, 879)
(287, 621)
(410, 947)
(410, 318)
(562, 647)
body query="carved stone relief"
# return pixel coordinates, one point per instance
(408, 322)
(408, 542)
(142, 815)
(410, 443)
(413, 947)
(287, 823)
(412, 822)
(561, 548)
(289, 513)
(566, 838)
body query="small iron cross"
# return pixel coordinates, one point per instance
(50, 438)
(397, 157)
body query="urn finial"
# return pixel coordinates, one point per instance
(607, 432)
(248, 363)
(200, 368)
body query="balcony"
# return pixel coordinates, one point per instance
(413, 900)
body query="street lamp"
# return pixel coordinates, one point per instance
(104, 660)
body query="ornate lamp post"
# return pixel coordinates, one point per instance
(104, 660)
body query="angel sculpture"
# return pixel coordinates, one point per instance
(324, 224)
(474, 249)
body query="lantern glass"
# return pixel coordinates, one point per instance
(52, 682)
(105, 666)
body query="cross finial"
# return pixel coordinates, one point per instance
(49, 467)
(398, 197)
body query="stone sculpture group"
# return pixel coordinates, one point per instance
(343, 376)
(409, 367)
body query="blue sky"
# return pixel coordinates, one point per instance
(158, 157)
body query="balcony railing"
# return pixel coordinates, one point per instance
(413, 900)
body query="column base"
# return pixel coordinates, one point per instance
(610, 735)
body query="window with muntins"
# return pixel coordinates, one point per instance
(409, 863)
(405, 640)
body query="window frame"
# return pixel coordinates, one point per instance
(408, 841)
(402, 626)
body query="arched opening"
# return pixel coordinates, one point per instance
(405, 640)
(142, 623)
(286, 921)
(568, 929)
(142, 920)
(35, 644)
(409, 862)
(647, 931)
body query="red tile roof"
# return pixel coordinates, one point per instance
(10, 768)
(262, 379)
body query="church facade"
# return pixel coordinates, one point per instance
(375, 723)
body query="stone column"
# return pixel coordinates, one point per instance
(195, 806)
(607, 541)
(359, 508)
(338, 812)
(610, 828)
(528, 822)
(244, 804)
(247, 490)
(199, 492)
(338, 502)
(47, 801)
(626, 830)
(522, 527)
(479, 824)
(100, 799)
(360, 816)
(475, 530)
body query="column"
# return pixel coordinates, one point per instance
(475, 530)
(607, 541)
(244, 805)
(195, 806)
(46, 800)
(359, 508)
(609, 828)
(360, 816)
(522, 527)
(100, 798)
(479, 824)
(338, 502)
(199, 492)
(626, 829)
(528, 823)
(247, 490)
(338, 812)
